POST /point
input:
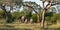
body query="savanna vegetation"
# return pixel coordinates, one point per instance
(27, 19)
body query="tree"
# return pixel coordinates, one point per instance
(33, 6)
(45, 8)
(9, 16)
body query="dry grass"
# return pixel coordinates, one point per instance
(22, 26)
(35, 26)
(57, 25)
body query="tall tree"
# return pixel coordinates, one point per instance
(45, 8)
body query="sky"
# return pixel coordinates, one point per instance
(37, 1)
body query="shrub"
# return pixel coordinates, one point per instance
(34, 16)
(1, 13)
(52, 18)
(16, 14)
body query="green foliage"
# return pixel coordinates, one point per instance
(17, 14)
(1, 13)
(29, 15)
(58, 16)
(52, 17)
(34, 16)
(18, 2)
(10, 18)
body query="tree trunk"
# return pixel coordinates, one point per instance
(38, 18)
(43, 19)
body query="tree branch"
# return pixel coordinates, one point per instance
(31, 8)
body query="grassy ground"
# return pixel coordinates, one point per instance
(23, 26)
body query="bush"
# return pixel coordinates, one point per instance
(16, 14)
(34, 16)
(52, 17)
(1, 13)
